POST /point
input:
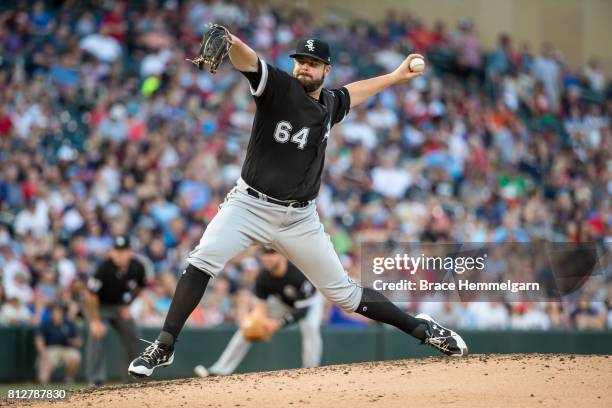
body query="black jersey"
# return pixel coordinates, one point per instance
(293, 289)
(114, 287)
(286, 150)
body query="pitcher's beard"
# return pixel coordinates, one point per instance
(309, 84)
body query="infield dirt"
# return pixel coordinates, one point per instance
(542, 380)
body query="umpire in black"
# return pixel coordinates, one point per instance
(117, 281)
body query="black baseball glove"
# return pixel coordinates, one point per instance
(215, 45)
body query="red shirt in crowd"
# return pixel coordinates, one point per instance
(5, 124)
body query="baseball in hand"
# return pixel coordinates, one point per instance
(417, 65)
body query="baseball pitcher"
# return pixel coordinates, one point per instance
(273, 202)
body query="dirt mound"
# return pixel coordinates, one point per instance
(477, 381)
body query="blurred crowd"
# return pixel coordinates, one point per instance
(105, 129)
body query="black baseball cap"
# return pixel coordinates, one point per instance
(313, 48)
(121, 242)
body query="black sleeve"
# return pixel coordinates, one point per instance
(293, 316)
(301, 306)
(253, 77)
(262, 291)
(266, 81)
(342, 104)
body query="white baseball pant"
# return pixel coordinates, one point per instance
(297, 233)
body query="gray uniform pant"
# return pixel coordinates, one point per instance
(96, 348)
(297, 233)
(312, 344)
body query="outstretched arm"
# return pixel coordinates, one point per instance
(360, 91)
(242, 56)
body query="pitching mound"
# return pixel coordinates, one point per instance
(476, 381)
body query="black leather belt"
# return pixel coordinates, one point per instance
(294, 204)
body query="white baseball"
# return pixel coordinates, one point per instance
(417, 65)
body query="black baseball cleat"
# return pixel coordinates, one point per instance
(443, 339)
(155, 355)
